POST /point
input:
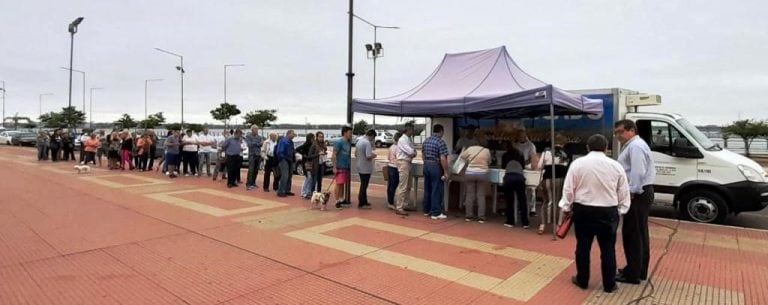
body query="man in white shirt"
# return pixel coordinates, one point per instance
(392, 174)
(207, 151)
(595, 193)
(189, 153)
(405, 154)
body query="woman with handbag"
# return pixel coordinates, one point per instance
(514, 186)
(478, 161)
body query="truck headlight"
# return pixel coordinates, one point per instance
(751, 174)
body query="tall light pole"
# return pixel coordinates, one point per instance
(41, 102)
(373, 51)
(90, 116)
(70, 93)
(181, 71)
(225, 82)
(350, 77)
(146, 82)
(72, 30)
(225, 78)
(3, 88)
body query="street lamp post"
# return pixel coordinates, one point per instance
(350, 78)
(90, 116)
(83, 73)
(41, 102)
(3, 88)
(72, 30)
(225, 81)
(145, 97)
(181, 71)
(374, 52)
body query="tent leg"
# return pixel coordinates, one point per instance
(552, 147)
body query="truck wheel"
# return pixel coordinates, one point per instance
(703, 206)
(299, 170)
(378, 143)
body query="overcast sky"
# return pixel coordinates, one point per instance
(706, 58)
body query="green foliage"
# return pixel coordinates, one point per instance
(194, 127)
(224, 112)
(747, 130)
(67, 117)
(261, 118)
(126, 122)
(360, 127)
(173, 126)
(152, 121)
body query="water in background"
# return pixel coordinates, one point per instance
(758, 147)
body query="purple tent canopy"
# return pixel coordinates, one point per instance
(481, 84)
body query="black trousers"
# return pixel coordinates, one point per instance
(362, 194)
(54, 153)
(514, 187)
(601, 223)
(189, 159)
(152, 151)
(634, 234)
(271, 173)
(233, 169)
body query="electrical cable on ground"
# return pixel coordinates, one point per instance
(649, 283)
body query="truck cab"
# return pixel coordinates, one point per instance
(702, 180)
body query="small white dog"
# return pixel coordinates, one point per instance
(83, 169)
(319, 200)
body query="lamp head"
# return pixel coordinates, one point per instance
(180, 69)
(74, 24)
(378, 46)
(368, 47)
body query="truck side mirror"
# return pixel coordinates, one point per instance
(688, 152)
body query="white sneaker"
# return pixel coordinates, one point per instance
(441, 216)
(167, 173)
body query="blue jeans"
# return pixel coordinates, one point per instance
(42, 152)
(392, 182)
(433, 188)
(309, 184)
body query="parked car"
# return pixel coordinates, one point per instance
(384, 139)
(24, 139)
(5, 136)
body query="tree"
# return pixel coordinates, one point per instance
(126, 122)
(177, 126)
(360, 127)
(194, 127)
(725, 135)
(52, 120)
(417, 128)
(152, 121)
(748, 130)
(261, 118)
(68, 117)
(225, 112)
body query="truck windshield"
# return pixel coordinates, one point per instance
(697, 135)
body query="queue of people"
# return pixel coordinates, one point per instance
(595, 190)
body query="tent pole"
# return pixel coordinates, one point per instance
(552, 148)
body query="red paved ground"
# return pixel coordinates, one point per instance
(68, 239)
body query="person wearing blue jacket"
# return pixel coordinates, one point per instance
(286, 155)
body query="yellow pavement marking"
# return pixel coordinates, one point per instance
(282, 219)
(667, 292)
(104, 180)
(521, 286)
(259, 204)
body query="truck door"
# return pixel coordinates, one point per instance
(671, 171)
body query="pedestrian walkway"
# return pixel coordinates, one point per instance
(112, 237)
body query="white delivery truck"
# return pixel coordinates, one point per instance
(702, 180)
